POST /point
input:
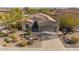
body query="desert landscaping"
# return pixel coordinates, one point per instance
(39, 28)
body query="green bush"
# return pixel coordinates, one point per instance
(14, 38)
(2, 34)
(8, 40)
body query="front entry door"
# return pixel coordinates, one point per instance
(35, 27)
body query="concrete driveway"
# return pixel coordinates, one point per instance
(52, 43)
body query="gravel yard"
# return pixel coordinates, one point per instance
(41, 43)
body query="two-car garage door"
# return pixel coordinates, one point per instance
(48, 28)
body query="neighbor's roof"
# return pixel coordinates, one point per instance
(24, 20)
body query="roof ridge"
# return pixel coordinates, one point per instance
(47, 17)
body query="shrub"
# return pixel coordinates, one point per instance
(2, 34)
(14, 38)
(22, 43)
(29, 32)
(8, 40)
(19, 26)
(75, 39)
(29, 42)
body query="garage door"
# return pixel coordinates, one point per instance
(48, 28)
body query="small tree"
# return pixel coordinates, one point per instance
(13, 15)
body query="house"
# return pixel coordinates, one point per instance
(43, 23)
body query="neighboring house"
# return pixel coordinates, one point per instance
(45, 23)
(4, 10)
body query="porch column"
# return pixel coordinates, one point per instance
(23, 27)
